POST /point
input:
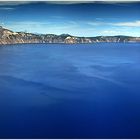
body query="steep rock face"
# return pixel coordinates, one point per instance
(10, 37)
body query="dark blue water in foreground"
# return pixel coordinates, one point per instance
(70, 91)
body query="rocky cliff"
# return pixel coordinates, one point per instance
(10, 37)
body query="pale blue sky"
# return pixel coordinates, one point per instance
(80, 19)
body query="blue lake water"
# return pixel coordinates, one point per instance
(70, 91)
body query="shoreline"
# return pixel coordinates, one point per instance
(67, 43)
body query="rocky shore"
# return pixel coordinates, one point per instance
(9, 37)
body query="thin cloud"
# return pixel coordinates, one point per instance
(41, 27)
(129, 24)
(7, 8)
(95, 23)
(1, 23)
(14, 3)
(90, 1)
(57, 17)
(122, 24)
(110, 32)
(29, 23)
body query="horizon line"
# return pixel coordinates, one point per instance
(36, 33)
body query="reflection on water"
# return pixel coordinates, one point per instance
(70, 91)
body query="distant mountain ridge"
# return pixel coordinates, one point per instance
(9, 37)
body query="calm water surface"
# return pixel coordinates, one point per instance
(70, 91)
